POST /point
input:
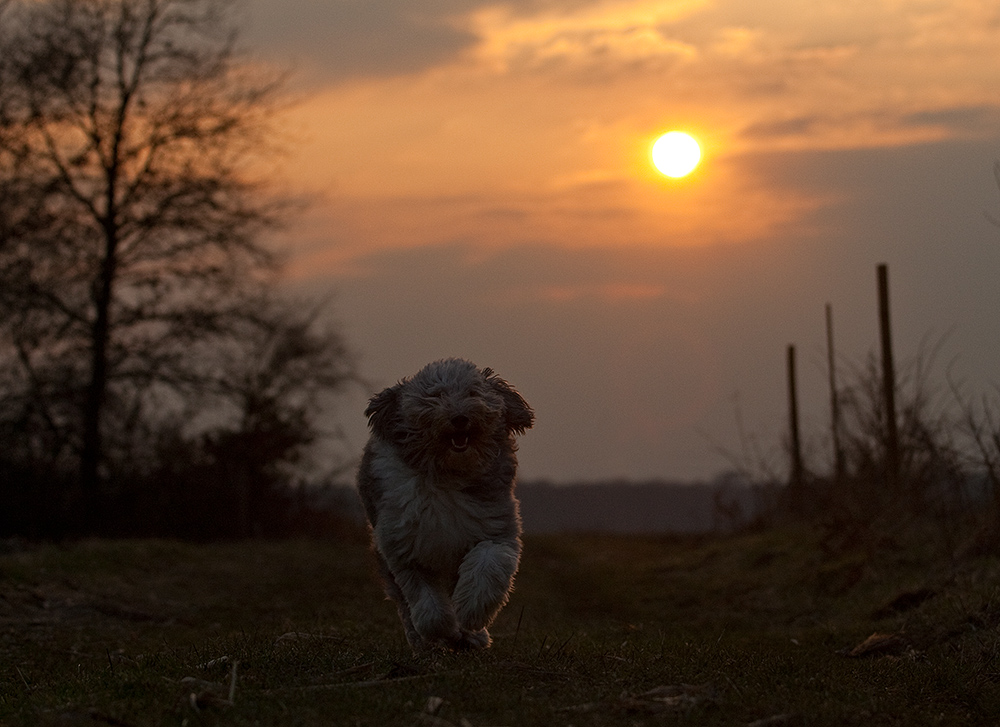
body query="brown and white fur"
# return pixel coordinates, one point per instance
(437, 484)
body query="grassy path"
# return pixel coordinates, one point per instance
(751, 629)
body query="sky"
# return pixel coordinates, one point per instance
(482, 188)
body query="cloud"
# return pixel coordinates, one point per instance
(344, 39)
(346, 231)
(875, 127)
(591, 41)
(611, 292)
(778, 73)
(978, 120)
(779, 128)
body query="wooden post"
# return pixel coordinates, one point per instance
(838, 453)
(888, 382)
(796, 481)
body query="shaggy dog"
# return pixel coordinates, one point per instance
(437, 484)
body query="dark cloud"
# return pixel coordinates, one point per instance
(961, 119)
(781, 128)
(339, 39)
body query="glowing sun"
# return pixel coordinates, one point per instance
(676, 154)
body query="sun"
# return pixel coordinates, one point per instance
(676, 154)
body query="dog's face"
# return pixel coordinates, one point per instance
(450, 415)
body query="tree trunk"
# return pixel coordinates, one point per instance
(97, 387)
(102, 295)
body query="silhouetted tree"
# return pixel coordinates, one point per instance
(275, 383)
(131, 222)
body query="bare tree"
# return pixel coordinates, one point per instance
(130, 216)
(278, 396)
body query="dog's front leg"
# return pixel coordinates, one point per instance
(431, 613)
(485, 578)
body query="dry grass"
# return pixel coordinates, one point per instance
(750, 629)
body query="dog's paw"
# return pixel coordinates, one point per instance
(471, 640)
(433, 619)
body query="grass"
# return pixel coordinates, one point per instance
(745, 629)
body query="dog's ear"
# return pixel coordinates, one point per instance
(517, 413)
(383, 412)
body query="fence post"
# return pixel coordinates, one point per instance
(796, 481)
(888, 382)
(838, 452)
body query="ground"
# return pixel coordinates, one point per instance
(780, 627)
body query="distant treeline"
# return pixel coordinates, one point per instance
(617, 506)
(635, 507)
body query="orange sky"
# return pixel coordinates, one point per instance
(552, 112)
(484, 190)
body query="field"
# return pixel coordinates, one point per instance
(768, 628)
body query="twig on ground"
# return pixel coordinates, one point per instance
(361, 684)
(232, 682)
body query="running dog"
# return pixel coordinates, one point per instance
(437, 484)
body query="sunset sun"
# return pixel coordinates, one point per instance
(676, 154)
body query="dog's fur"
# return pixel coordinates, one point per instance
(437, 484)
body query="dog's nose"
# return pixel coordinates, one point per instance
(460, 421)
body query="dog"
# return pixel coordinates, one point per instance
(437, 483)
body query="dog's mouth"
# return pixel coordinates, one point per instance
(460, 436)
